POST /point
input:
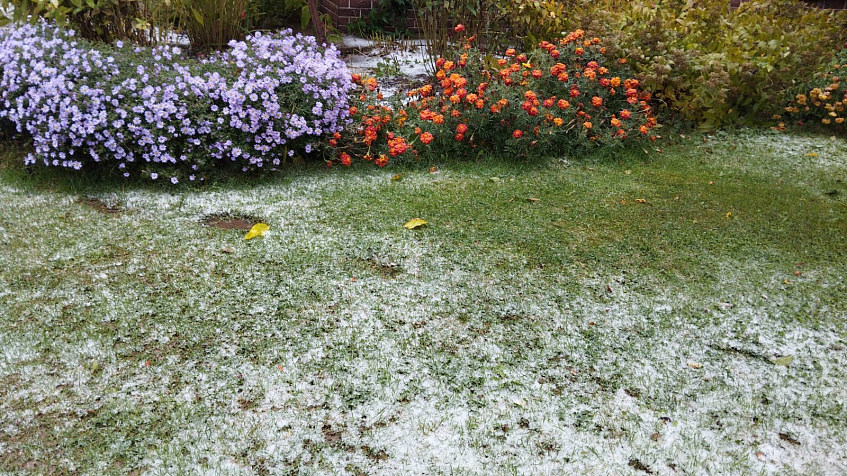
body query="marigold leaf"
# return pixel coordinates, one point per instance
(259, 229)
(414, 223)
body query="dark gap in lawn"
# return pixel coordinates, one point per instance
(230, 221)
(101, 207)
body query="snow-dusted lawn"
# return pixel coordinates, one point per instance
(582, 333)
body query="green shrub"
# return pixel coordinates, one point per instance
(100, 20)
(824, 99)
(703, 61)
(712, 65)
(214, 23)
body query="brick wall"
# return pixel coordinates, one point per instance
(342, 12)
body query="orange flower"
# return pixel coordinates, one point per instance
(459, 28)
(616, 81)
(356, 78)
(510, 52)
(479, 104)
(563, 104)
(382, 161)
(345, 159)
(625, 114)
(462, 128)
(353, 110)
(558, 121)
(517, 134)
(426, 137)
(596, 101)
(587, 125)
(579, 51)
(537, 74)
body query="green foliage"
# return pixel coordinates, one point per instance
(710, 64)
(208, 23)
(214, 23)
(100, 20)
(273, 14)
(482, 20)
(824, 99)
(387, 18)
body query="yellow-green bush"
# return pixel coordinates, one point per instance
(824, 99)
(702, 60)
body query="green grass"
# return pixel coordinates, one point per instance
(558, 335)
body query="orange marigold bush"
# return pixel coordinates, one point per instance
(564, 95)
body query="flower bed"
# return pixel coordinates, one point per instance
(563, 96)
(157, 113)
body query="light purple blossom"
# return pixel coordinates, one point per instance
(82, 106)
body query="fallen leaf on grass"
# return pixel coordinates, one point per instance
(533, 199)
(695, 365)
(414, 223)
(728, 215)
(640, 200)
(812, 154)
(760, 456)
(495, 179)
(397, 178)
(227, 249)
(784, 361)
(259, 229)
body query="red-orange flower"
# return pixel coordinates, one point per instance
(517, 134)
(426, 137)
(345, 159)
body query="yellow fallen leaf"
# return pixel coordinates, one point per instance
(640, 200)
(259, 229)
(812, 154)
(728, 215)
(533, 199)
(414, 223)
(695, 365)
(397, 177)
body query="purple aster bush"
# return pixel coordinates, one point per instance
(153, 111)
